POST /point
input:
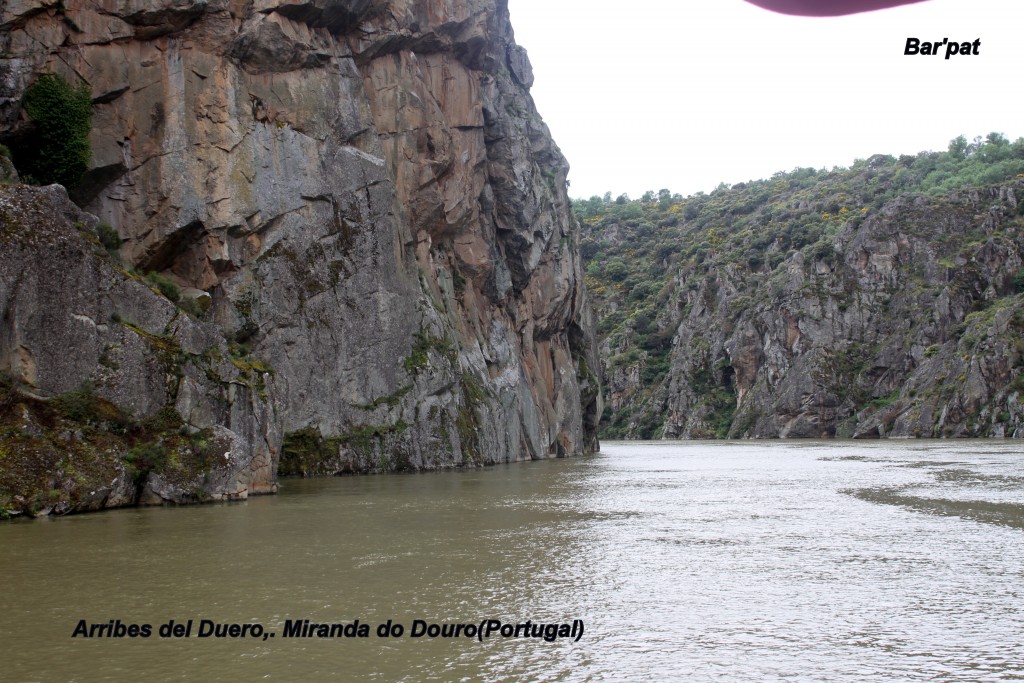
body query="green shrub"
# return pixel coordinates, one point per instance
(166, 287)
(108, 237)
(885, 401)
(167, 419)
(145, 458)
(458, 282)
(85, 406)
(191, 306)
(80, 405)
(63, 116)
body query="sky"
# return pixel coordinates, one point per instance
(686, 94)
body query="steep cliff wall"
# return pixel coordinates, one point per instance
(906, 325)
(111, 395)
(818, 304)
(366, 193)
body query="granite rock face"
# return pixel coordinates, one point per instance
(910, 324)
(112, 395)
(364, 193)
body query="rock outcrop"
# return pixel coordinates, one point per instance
(817, 304)
(111, 394)
(908, 326)
(364, 193)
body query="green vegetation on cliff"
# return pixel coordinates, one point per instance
(687, 287)
(80, 451)
(58, 148)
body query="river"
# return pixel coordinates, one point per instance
(692, 561)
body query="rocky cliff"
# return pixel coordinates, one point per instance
(361, 195)
(818, 304)
(907, 326)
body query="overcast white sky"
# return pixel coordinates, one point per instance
(684, 94)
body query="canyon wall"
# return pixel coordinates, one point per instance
(843, 303)
(907, 324)
(363, 198)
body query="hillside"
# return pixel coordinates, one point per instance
(883, 299)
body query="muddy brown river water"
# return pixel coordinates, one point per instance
(696, 561)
